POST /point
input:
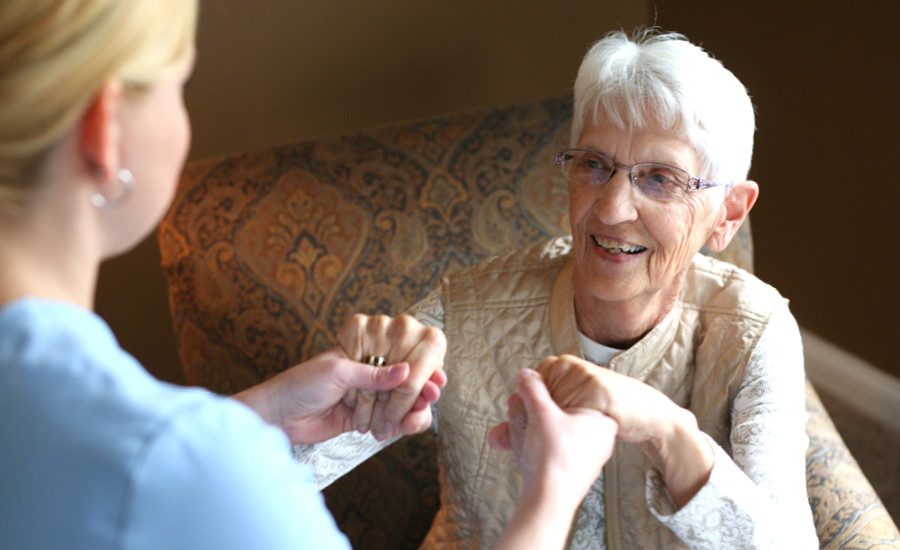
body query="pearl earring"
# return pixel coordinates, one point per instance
(128, 183)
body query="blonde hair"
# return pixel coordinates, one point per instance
(55, 55)
(661, 79)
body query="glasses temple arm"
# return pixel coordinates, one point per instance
(698, 184)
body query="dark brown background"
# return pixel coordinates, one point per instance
(824, 79)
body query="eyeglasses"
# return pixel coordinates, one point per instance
(657, 181)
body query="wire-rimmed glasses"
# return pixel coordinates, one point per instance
(657, 181)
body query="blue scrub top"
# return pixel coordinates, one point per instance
(96, 453)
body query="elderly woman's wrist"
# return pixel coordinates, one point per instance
(683, 457)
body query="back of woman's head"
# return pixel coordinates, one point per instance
(55, 56)
(664, 81)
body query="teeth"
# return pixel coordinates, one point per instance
(618, 248)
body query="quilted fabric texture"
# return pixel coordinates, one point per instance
(268, 253)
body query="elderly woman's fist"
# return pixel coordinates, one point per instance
(665, 432)
(641, 411)
(398, 339)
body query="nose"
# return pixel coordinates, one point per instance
(615, 201)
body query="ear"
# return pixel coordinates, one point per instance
(98, 139)
(738, 202)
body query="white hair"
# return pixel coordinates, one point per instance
(661, 80)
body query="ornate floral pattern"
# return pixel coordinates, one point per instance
(268, 253)
(847, 511)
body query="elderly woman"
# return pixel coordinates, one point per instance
(95, 453)
(698, 361)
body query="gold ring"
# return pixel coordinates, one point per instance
(375, 360)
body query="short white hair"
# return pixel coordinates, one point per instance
(661, 80)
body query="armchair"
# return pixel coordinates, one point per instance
(268, 253)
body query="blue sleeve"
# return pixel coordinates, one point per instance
(216, 476)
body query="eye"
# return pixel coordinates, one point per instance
(660, 177)
(593, 168)
(593, 163)
(597, 162)
(586, 167)
(659, 181)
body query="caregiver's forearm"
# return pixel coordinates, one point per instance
(541, 520)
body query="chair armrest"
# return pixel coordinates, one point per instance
(846, 510)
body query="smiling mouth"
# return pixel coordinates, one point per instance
(615, 247)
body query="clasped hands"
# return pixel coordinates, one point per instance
(666, 433)
(403, 408)
(335, 392)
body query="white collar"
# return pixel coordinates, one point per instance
(595, 352)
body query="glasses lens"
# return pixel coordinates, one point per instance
(587, 168)
(660, 182)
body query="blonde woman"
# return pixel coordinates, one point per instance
(95, 453)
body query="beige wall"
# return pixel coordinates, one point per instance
(824, 78)
(281, 70)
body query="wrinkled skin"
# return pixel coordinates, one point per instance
(667, 434)
(620, 297)
(576, 383)
(400, 339)
(553, 439)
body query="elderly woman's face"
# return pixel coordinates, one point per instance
(627, 245)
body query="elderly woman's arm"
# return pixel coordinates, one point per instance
(769, 442)
(667, 433)
(759, 496)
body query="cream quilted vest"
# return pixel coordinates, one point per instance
(510, 312)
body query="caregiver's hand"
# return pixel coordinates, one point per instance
(561, 456)
(401, 339)
(307, 400)
(665, 432)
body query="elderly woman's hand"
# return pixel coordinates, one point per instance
(665, 432)
(398, 340)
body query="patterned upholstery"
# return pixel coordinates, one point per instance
(268, 253)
